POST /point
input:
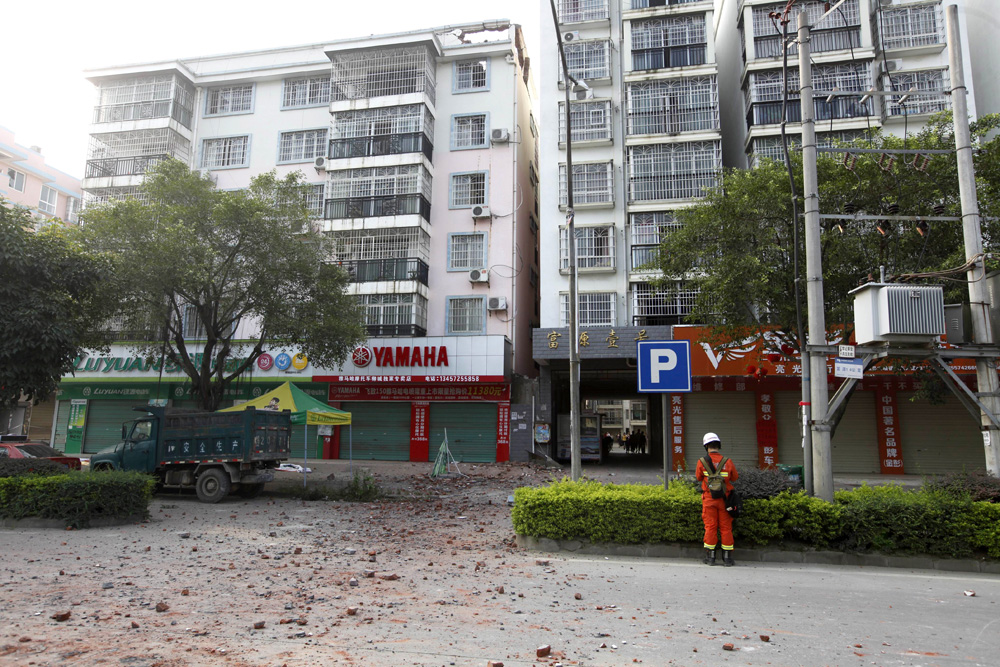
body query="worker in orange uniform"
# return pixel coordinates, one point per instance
(716, 483)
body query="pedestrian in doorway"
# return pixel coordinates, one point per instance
(640, 445)
(716, 474)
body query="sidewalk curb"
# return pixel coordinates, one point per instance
(760, 555)
(60, 524)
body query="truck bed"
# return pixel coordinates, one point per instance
(251, 435)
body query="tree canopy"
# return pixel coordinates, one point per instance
(50, 304)
(206, 278)
(736, 245)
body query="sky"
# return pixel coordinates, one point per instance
(46, 100)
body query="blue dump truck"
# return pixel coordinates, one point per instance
(215, 452)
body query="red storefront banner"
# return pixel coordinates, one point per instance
(677, 462)
(890, 447)
(767, 431)
(419, 431)
(503, 432)
(474, 392)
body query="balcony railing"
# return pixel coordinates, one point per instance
(113, 113)
(376, 207)
(387, 144)
(673, 121)
(395, 330)
(820, 41)
(122, 166)
(374, 270)
(668, 56)
(643, 255)
(769, 113)
(642, 4)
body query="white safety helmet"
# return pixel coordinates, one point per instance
(710, 438)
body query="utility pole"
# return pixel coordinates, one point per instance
(986, 374)
(822, 458)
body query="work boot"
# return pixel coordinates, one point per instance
(727, 558)
(709, 557)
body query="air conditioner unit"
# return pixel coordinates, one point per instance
(480, 211)
(499, 135)
(496, 303)
(479, 276)
(898, 313)
(580, 94)
(893, 65)
(322, 163)
(571, 36)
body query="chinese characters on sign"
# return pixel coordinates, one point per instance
(677, 432)
(503, 431)
(554, 337)
(767, 431)
(612, 339)
(890, 447)
(419, 431)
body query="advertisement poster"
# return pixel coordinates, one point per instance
(74, 428)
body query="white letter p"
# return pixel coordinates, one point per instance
(661, 360)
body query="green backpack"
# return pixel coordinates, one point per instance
(715, 478)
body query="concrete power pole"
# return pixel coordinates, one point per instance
(822, 458)
(986, 374)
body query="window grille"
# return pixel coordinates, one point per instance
(647, 231)
(380, 181)
(101, 196)
(650, 307)
(770, 147)
(394, 309)
(48, 200)
(471, 74)
(468, 131)
(383, 121)
(642, 4)
(15, 179)
(468, 190)
(912, 25)
(577, 11)
(595, 247)
(229, 99)
(591, 120)
(670, 106)
(226, 152)
(162, 141)
(921, 101)
(588, 60)
(762, 93)
(380, 72)
(306, 92)
(593, 183)
(135, 98)
(465, 314)
(840, 30)
(673, 171)
(594, 309)
(467, 251)
(381, 243)
(669, 42)
(314, 200)
(301, 146)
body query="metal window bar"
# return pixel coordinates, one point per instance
(588, 60)
(594, 309)
(646, 231)
(465, 315)
(762, 94)
(386, 270)
(839, 30)
(380, 181)
(669, 42)
(593, 183)
(394, 310)
(770, 147)
(230, 99)
(670, 106)
(134, 98)
(650, 307)
(299, 146)
(468, 189)
(591, 121)
(138, 142)
(643, 4)
(595, 247)
(225, 152)
(470, 74)
(380, 72)
(469, 131)
(467, 251)
(577, 11)
(911, 26)
(307, 91)
(382, 121)
(928, 97)
(314, 198)
(122, 166)
(101, 196)
(673, 171)
(382, 243)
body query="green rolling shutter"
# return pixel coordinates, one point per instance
(472, 430)
(104, 423)
(298, 435)
(380, 431)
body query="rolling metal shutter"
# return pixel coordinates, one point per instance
(298, 442)
(104, 423)
(855, 444)
(938, 438)
(728, 414)
(472, 430)
(40, 422)
(380, 431)
(62, 425)
(786, 408)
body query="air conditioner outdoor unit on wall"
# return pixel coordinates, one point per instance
(496, 303)
(893, 65)
(479, 276)
(898, 313)
(499, 135)
(321, 163)
(580, 94)
(571, 36)
(480, 211)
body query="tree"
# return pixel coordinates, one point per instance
(50, 305)
(736, 246)
(193, 263)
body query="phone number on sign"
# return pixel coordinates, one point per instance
(452, 378)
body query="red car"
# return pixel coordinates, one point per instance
(20, 448)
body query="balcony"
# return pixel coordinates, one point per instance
(643, 4)
(115, 113)
(395, 330)
(668, 56)
(820, 40)
(377, 207)
(643, 256)
(394, 269)
(125, 166)
(387, 144)
(840, 108)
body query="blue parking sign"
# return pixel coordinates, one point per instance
(664, 366)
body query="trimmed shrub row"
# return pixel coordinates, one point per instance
(76, 497)
(885, 519)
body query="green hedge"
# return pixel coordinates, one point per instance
(886, 519)
(76, 497)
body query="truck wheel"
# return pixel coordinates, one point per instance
(213, 485)
(251, 490)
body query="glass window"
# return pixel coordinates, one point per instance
(229, 99)
(469, 131)
(471, 75)
(594, 309)
(15, 179)
(47, 202)
(302, 146)
(306, 92)
(466, 251)
(226, 152)
(466, 314)
(468, 190)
